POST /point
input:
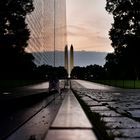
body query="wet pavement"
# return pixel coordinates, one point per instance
(118, 108)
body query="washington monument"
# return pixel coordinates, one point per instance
(71, 58)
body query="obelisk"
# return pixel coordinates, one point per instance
(71, 58)
(66, 58)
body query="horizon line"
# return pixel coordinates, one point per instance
(74, 51)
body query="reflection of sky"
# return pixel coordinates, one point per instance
(42, 22)
(88, 25)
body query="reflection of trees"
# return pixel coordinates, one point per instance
(46, 71)
(14, 34)
(125, 36)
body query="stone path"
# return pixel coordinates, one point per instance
(120, 110)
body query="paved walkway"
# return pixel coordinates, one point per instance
(71, 122)
(91, 85)
(119, 109)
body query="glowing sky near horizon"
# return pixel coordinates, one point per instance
(88, 24)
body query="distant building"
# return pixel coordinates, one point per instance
(47, 24)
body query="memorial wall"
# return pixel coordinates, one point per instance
(47, 24)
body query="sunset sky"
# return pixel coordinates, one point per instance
(88, 24)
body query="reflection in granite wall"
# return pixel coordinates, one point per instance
(48, 31)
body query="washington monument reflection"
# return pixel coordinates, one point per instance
(69, 65)
(66, 58)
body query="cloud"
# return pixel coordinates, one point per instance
(76, 30)
(87, 38)
(88, 25)
(83, 31)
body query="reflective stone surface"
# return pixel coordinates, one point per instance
(36, 127)
(22, 104)
(47, 24)
(24, 91)
(71, 122)
(70, 135)
(71, 114)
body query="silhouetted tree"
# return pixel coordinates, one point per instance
(46, 71)
(95, 72)
(14, 36)
(78, 72)
(125, 36)
(113, 67)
